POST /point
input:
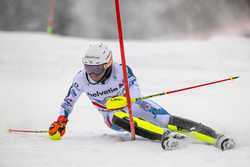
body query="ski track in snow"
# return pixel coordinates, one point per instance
(36, 70)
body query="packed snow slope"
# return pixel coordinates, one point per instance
(37, 69)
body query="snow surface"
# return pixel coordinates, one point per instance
(37, 69)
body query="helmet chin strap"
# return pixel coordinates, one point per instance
(103, 79)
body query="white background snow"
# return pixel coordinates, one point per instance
(37, 69)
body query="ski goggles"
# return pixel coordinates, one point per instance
(96, 69)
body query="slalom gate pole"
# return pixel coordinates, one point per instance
(50, 27)
(28, 131)
(187, 88)
(124, 69)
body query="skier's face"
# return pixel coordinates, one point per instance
(95, 77)
(95, 69)
(96, 72)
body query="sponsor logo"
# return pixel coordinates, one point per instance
(91, 57)
(68, 101)
(101, 93)
(75, 85)
(73, 92)
(132, 82)
(120, 85)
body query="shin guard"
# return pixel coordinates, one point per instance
(142, 128)
(193, 129)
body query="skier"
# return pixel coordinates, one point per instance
(102, 79)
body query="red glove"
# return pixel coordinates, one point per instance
(59, 125)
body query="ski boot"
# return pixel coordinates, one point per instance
(170, 140)
(225, 143)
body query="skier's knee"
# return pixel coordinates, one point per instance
(152, 107)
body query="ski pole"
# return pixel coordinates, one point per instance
(186, 88)
(28, 131)
(120, 101)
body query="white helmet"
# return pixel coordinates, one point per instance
(97, 54)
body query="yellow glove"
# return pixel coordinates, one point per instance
(118, 102)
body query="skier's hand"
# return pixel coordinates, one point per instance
(58, 126)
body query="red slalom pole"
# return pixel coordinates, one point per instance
(124, 69)
(52, 6)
